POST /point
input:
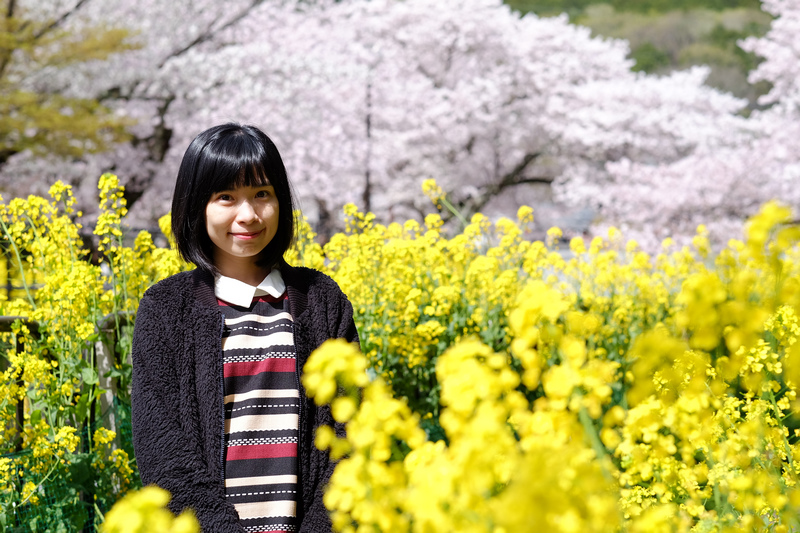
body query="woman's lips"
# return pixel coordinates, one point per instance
(248, 235)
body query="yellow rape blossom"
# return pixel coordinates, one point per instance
(145, 511)
(501, 384)
(654, 389)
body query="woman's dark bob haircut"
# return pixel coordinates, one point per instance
(223, 158)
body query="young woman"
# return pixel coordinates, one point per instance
(220, 417)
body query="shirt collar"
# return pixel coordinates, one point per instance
(240, 293)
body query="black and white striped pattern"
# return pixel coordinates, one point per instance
(261, 414)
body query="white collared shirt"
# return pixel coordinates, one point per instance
(240, 293)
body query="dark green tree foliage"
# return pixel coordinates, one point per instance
(662, 6)
(573, 7)
(35, 116)
(726, 39)
(665, 35)
(649, 58)
(550, 7)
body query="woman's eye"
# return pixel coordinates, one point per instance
(225, 197)
(262, 194)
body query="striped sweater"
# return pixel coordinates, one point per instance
(261, 408)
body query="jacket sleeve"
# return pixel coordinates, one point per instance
(346, 327)
(167, 445)
(340, 326)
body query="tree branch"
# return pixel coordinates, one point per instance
(6, 57)
(511, 179)
(36, 35)
(209, 32)
(59, 21)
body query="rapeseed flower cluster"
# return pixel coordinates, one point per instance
(73, 309)
(600, 389)
(502, 384)
(144, 511)
(415, 291)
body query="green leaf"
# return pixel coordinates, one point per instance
(81, 475)
(125, 343)
(80, 409)
(89, 376)
(123, 372)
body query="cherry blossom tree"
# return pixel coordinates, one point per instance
(737, 166)
(375, 97)
(133, 85)
(366, 99)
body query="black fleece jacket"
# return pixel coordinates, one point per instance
(177, 396)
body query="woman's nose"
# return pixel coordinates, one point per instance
(246, 213)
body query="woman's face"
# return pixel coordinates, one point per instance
(240, 223)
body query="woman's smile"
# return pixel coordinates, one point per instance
(240, 223)
(248, 235)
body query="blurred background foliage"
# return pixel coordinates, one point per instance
(37, 116)
(667, 35)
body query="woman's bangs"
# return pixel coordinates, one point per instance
(252, 176)
(248, 175)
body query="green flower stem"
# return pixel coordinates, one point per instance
(19, 262)
(450, 207)
(594, 440)
(786, 445)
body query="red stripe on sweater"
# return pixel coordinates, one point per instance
(262, 451)
(251, 368)
(265, 298)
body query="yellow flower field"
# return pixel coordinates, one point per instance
(503, 384)
(599, 390)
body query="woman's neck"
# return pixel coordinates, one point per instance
(242, 269)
